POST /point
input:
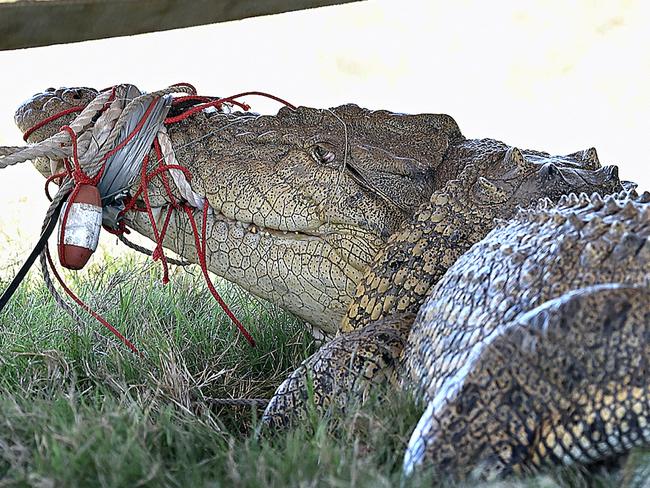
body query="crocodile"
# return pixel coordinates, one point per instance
(304, 200)
(533, 348)
(348, 218)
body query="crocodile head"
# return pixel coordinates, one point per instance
(301, 201)
(46, 104)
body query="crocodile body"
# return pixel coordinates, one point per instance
(533, 348)
(351, 219)
(416, 257)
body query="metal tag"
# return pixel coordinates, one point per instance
(83, 225)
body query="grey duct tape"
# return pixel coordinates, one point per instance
(123, 167)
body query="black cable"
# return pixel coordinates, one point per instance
(20, 276)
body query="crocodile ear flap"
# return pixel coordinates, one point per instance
(488, 188)
(589, 157)
(514, 157)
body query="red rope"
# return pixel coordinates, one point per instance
(200, 250)
(50, 179)
(51, 118)
(80, 178)
(193, 98)
(159, 236)
(217, 103)
(89, 310)
(159, 253)
(135, 130)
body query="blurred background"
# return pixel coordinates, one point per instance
(552, 75)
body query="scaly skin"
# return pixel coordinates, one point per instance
(499, 179)
(302, 202)
(564, 383)
(525, 273)
(531, 350)
(383, 203)
(416, 257)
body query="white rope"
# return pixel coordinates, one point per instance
(7, 150)
(94, 140)
(177, 175)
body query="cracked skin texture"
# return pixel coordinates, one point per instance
(411, 238)
(531, 350)
(496, 180)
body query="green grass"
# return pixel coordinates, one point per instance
(78, 409)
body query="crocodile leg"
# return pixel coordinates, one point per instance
(568, 382)
(342, 371)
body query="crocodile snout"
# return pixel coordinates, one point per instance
(51, 101)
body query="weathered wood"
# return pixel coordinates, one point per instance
(40, 23)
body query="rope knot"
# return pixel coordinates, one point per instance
(81, 178)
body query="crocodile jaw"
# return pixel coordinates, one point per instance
(308, 275)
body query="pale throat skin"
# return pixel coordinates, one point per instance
(300, 202)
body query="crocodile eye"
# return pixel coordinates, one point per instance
(322, 155)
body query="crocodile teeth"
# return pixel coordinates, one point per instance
(253, 229)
